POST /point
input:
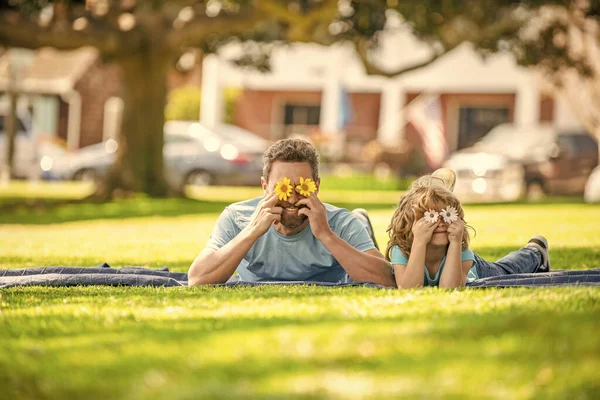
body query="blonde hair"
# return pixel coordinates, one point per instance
(427, 192)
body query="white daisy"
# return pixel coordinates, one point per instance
(449, 214)
(431, 216)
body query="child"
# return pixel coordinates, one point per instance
(429, 243)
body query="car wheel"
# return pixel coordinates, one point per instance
(199, 178)
(535, 191)
(86, 175)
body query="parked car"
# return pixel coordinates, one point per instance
(591, 193)
(193, 155)
(512, 161)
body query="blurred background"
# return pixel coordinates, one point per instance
(504, 94)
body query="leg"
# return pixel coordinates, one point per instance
(362, 215)
(522, 261)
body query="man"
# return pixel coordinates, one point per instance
(294, 239)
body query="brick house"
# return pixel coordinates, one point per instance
(68, 93)
(310, 86)
(73, 95)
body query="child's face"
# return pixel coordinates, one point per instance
(439, 237)
(440, 234)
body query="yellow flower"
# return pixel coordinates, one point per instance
(283, 189)
(306, 187)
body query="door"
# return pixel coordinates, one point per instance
(475, 122)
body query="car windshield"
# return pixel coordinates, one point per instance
(232, 132)
(509, 140)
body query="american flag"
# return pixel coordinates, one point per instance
(425, 113)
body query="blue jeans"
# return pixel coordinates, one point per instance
(522, 261)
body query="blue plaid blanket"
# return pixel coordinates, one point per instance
(105, 275)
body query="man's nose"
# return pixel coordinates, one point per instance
(294, 197)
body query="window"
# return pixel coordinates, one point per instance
(578, 145)
(295, 114)
(20, 126)
(475, 122)
(584, 142)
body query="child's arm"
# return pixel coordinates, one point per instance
(455, 271)
(412, 274)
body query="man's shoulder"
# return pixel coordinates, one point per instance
(335, 213)
(241, 211)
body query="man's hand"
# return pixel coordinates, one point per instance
(422, 231)
(455, 231)
(317, 216)
(265, 214)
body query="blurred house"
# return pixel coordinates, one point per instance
(73, 95)
(69, 93)
(310, 86)
(313, 91)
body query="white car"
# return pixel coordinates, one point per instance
(512, 161)
(193, 155)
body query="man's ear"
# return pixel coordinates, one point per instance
(318, 184)
(263, 183)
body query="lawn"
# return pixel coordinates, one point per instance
(285, 342)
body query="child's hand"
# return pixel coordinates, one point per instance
(422, 231)
(455, 231)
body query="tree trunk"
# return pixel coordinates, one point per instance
(139, 163)
(10, 126)
(11, 134)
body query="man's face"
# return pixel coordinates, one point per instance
(292, 170)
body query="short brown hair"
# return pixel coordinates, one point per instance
(291, 150)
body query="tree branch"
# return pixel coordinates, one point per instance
(301, 26)
(16, 31)
(197, 30)
(371, 69)
(326, 10)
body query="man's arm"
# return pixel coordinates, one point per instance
(361, 266)
(216, 266)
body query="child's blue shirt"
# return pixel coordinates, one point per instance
(397, 257)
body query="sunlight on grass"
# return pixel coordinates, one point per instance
(288, 342)
(47, 190)
(233, 194)
(175, 241)
(298, 342)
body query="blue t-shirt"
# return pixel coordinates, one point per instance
(398, 257)
(301, 257)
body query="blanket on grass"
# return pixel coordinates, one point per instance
(105, 275)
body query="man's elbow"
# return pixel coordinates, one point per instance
(196, 280)
(197, 276)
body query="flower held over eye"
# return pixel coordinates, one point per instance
(449, 214)
(283, 189)
(306, 187)
(431, 216)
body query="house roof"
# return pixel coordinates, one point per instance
(47, 70)
(309, 67)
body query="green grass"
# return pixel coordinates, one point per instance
(287, 342)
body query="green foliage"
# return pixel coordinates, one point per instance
(184, 104)
(364, 182)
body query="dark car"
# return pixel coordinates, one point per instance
(512, 161)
